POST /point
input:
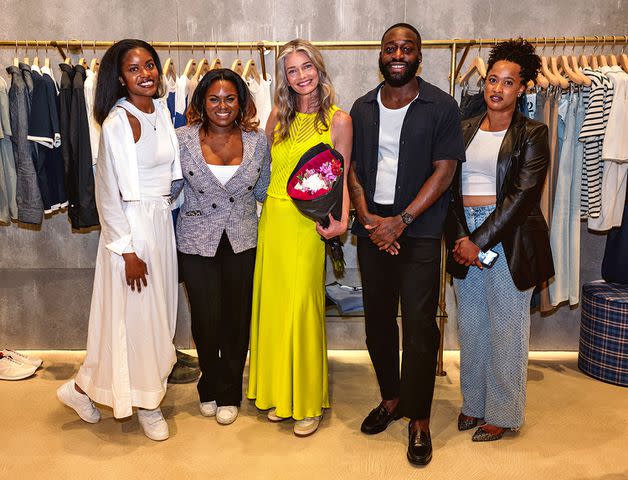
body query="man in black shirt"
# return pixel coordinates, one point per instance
(406, 145)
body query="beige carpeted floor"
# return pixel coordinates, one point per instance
(576, 428)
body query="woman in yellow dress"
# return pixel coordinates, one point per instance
(288, 363)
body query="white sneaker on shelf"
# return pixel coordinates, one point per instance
(208, 409)
(12, 369)
(79, 402)
(227, 414)
(153, 423)
(307, 426)
(20, 357)
(272, 416)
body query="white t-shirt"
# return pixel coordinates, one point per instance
(390, 123)
(480, 170)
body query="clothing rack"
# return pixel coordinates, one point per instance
(454, 45)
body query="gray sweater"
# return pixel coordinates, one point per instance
(209, 208)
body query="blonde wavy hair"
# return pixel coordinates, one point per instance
(286, 98)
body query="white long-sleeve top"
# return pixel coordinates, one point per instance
(117, 179)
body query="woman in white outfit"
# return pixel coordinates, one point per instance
(134, 300)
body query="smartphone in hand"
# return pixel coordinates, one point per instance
(488, 258)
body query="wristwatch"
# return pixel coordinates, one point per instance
(406, 218)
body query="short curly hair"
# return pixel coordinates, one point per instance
(520, 52)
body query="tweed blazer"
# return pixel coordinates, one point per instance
(209, 208)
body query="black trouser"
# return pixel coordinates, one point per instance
(414, 276)
(220, 290)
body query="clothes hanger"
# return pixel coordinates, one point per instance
(202, 67)
(216, 63)
(260, 49)
(67, 60)
(573, 59)
(237, 66)
(189, 69)
(545, 70)
(16, 59)
(594, 59)
(623, 58)
(47, 59)
(564, 63)
(602, 59)
(540, 80)
(250, 69)
(612, 59)
(26, 59)
(94, 66)
(476, 65)
(169, 70)
(36, 57)
(556, 71)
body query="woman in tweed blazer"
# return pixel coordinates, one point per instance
(226, 168)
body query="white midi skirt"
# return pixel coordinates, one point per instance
(129, 343)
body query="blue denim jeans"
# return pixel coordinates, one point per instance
(564, 238)
(494, 331)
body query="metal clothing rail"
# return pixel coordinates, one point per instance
(453, 44)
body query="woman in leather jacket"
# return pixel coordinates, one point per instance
(495, 208)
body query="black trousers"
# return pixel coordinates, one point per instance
(220, 290)
(413, 276)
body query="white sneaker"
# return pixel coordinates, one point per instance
(272, 416)
(153, 424)
(12, 369)
(208, 409)
(79, 402)
(307, 426)
(226, 415)
(20, 357)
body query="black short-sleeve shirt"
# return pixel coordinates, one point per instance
(431, 131)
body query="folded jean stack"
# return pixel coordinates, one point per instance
(17, 366)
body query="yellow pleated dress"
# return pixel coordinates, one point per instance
(288, 362)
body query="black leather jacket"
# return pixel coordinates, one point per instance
(517, 221)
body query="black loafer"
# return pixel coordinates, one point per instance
(378, 420)
(419, 447)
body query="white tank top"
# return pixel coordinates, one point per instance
(155, 153)
(390, 123)
(480, 170)
(223, 172)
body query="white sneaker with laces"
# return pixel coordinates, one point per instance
(20, 357)
(208, 409)
(153, 423)
(12, 369)
(79, 402)
(227, 414)
(307, 426)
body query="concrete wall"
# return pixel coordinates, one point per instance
(46, 273)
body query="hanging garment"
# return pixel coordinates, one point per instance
(566, 208)
(471, 104)
(262, 98)
(94, 128)
(615, 263)
(170, 95)
(614, 155)
(8, 176)
(181, 101)
(30, 208)
(82, 209)
(53, 161)
(592, 134)
(41, 131)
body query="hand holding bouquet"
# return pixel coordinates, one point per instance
(316, 187)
